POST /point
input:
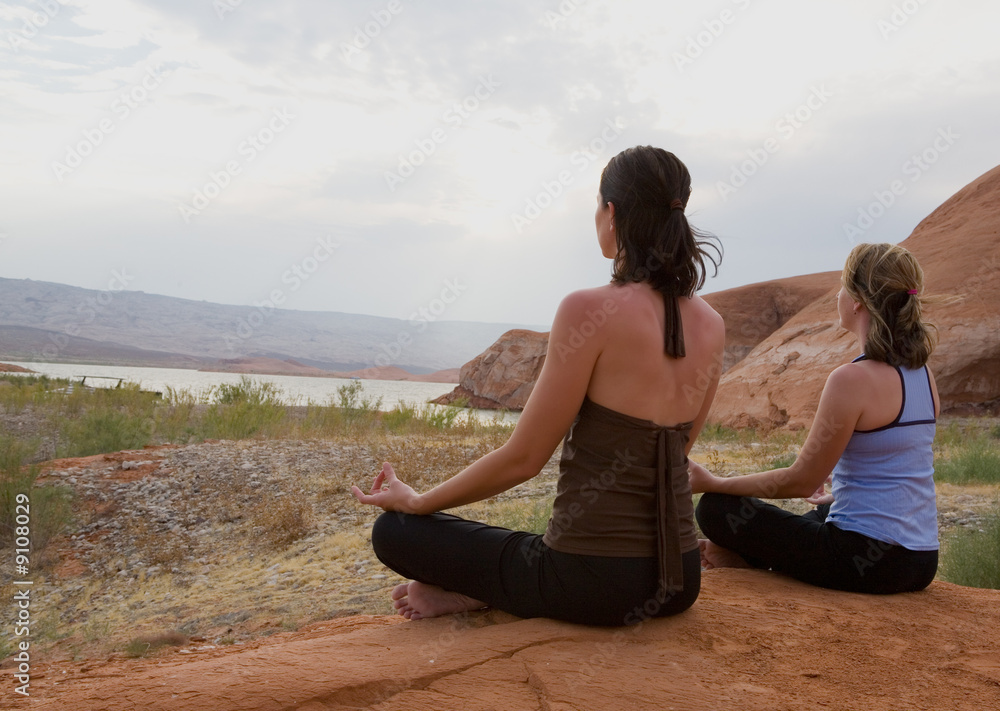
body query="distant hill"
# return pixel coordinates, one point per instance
(47, 322)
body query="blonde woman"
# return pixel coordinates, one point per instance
(873, 431)
(630, 373)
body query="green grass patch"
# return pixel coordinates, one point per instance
(42, 511)
(977, 461)
(971, 557)
(531, 515)
(783, 461)
(714, 432)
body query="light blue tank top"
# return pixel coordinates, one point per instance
(883, 485)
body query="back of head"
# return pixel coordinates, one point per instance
(887, 280)
(649, 188)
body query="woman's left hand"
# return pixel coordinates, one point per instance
(701, 479)
(389, 493)
(820, 496)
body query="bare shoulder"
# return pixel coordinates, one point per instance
(862, 380)
(712, 318)
(849, 377)
(585, 298)
(607, 299)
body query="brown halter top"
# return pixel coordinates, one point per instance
(623, 485)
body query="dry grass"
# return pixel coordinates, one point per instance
(262, 563)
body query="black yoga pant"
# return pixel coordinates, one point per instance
(516, 572)
(806, 548)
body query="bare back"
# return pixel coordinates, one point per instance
(634, 375)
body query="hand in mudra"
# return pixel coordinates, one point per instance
(389, 493)
(820, 496)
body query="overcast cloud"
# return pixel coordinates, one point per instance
(357, 156)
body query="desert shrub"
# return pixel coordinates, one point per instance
(104, 430)
(399, 417)
(177, 418)
(440, 418)
(976, 461)
(244, 409)
(354, 405)
(282, 520)
(19, 391)
(143, 646)
(49, 507)
(241, 420)
(248, 390)
(972, 556)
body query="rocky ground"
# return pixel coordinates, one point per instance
(223, 541)
(227, 541)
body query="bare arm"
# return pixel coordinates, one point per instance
(836, 417)
(547, 416)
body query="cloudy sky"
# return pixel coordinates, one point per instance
(370, 156)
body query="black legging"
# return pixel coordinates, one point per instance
(807, 549)
(516, 572)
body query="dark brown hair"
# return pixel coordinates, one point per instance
(880, 277)
(656, 244)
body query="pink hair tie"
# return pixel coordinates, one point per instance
(912, 291)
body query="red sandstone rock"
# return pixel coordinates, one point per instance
(503, 376)
(754, 312)
(754, 640)
(958, 247)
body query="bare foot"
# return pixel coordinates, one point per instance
(415, 601)
(713, 556)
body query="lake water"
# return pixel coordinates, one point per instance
(295, 390)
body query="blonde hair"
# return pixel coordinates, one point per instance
(887, 281)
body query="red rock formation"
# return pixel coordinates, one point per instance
(10, 368)
(754, 312)
(958, 246)
(503, 376)
(754, 640)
